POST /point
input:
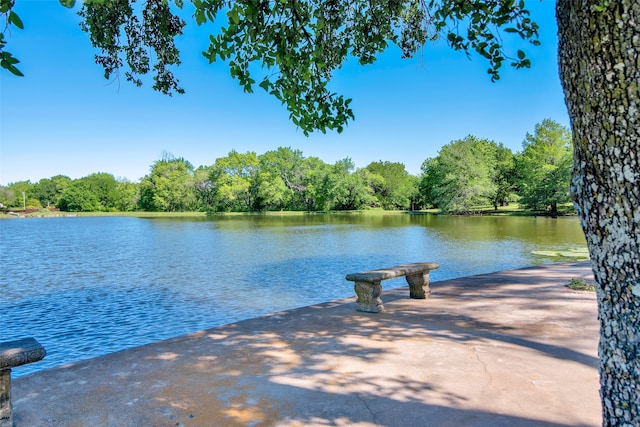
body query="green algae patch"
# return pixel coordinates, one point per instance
(578, 254)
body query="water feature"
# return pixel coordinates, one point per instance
(88, 286)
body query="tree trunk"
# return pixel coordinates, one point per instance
(599, 58)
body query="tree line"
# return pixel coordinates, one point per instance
(466, 175)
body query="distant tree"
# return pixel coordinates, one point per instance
(204, 190)
(46, 192)
(169, 187)
(315, 195)
(78, 197)
(271, 192)
(6, 196)
(375, 182)
(415, 199)
(544, 167)
(461, 177)
(16, 193)
(146, 201)
(279, 167)
(391, 184)
(105, 188)
(347, 189)
(126, 196)
(61, 181)
(504, 177)
(232, 178)
(431, 176)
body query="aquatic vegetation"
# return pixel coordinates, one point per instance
(577, 254)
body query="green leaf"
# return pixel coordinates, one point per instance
(13, 70)
(68, 3)
(265, 84)
(9, 59)
(200, 17)
(7, 62)
(521, 54)
(15, 20)
(233, 15)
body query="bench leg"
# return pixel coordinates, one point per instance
(369, 299)
(6, 419)
(419, 285)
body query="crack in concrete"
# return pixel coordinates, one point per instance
(366, 405)
(484, 366)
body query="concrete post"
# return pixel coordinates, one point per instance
(369, 299)
(12, 354)
(419, 285)
(6, 419)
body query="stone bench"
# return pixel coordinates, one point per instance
(368, 288)
(13, 354)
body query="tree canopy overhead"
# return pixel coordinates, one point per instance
(291, 48)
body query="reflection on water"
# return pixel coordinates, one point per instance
(93, 285)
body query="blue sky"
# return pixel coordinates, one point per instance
(63, 117)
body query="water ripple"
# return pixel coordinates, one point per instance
(90, 286)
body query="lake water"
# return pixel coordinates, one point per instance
(87, 286)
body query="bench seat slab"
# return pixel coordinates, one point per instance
(20, 352)
(373, 276)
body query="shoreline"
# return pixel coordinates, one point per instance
(45, 213)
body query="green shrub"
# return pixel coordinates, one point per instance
(581, 285)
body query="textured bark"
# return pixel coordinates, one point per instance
(599, 54)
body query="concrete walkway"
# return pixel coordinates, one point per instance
(513, 348)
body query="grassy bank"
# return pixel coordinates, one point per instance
(512, 210)
(140, 214)
(44, 213)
